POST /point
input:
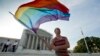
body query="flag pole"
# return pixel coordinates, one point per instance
(85, 41)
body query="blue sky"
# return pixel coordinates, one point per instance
(85, 14)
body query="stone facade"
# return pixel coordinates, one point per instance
(32, 41)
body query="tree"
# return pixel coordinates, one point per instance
(92, 42)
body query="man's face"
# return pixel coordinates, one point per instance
(57, 31)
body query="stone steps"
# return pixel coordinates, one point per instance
(45, 54)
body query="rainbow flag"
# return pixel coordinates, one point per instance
(34, 13)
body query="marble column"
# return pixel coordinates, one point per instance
(29, 42)
(33, 42)
(36, 44)
(22, 42)
(49, 40)
(41, 44)
(38, 47)
(48, 43)
(44, 44)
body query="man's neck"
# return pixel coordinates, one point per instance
(58, 35)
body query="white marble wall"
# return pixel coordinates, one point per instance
(32, 41)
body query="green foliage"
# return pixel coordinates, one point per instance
(92, 42)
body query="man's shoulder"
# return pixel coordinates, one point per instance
(64, 37)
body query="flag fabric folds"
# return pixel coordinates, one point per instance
(34, 13)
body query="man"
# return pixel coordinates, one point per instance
(6, 45)
(60, 44)
(14, 46)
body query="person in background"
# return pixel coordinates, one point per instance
(6, 45)
(14, 47)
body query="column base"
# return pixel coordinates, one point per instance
(19, 49)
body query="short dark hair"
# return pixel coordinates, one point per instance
(57, 29)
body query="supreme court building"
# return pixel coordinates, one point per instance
(32, 41)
